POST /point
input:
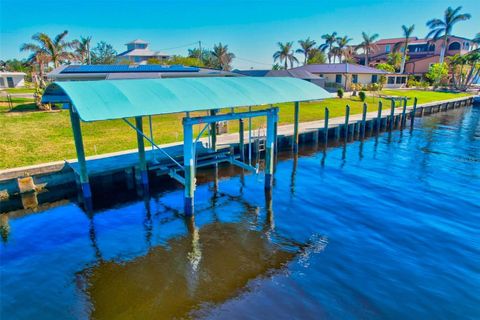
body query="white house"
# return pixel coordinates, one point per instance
(345, 74)
(138, 53)
(12, 79)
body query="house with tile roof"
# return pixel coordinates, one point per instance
(138, 52)
(421, 52)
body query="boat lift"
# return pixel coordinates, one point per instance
(126, 99)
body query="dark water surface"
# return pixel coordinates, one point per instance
(385, 229)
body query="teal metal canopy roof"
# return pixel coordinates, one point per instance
(114, 99)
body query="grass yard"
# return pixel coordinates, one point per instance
(19, 90)
(28, 138)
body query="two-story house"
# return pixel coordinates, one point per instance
(138, 53)
(421, 52)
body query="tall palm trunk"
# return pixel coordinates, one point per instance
(404, 58)
(444, 48)
(366, 58)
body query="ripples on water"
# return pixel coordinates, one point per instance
(388, 228)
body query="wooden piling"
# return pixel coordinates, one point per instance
(414, 112)
(379, 116)
(142, 161)
(347, 119)
(392, 115)
(404, 114)
(295, 126)
(364, 121)
(325, 126)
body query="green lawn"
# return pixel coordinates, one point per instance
(19, 90)
(35, 137)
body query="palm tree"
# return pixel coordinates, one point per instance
(330, 39)
(285, 54)
(306, 48)
(342, 43)
(55, 49)
(349, 54)
(407, 33)
(368, 44)
(443, 28)
(82, 49)
(222, 57)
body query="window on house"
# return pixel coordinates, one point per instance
(454, 46)
(2, 83)
(387, 48)
(374, 78)
(466, 45)
(338, 78)
(391, 80)
(354, 78)
(399, 80)
(404, 79)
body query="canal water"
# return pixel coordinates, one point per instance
(387, 228)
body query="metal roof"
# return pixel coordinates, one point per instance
(294, 73)
(114, 99)
(340, 68)
(114, 68)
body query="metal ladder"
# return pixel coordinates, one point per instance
(260, 140)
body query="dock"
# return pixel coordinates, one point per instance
(126, 162)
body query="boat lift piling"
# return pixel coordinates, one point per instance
(83, 174)
(325, 125)
(295, 127)
(364, 121)
(414, 112)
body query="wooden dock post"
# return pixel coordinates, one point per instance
(325, 125)
(241, 139)
(404, 114)
(347, 119)
(413, 114)
(77, 136)
(379, 116)
(142, 164)
(364, 120)
(295, 127)
(392, 115)
(189, 168)
(270, 147)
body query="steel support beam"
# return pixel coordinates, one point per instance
(213, 130)
(241, 145)
(270, 148)
(77, 136)
(189, 167)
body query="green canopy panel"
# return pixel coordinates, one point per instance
(114, 99)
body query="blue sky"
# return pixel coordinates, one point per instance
(251, 28)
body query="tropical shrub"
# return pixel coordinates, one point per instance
(362, 95)
(340, 93)
(437, 73)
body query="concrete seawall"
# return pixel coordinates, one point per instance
(62, 174)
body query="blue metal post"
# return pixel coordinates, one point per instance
(270, 148)
(295, 127)
(77, 136)
(347, 119)
(414, 112)
(241, 140)
(325, 126)
(213, 130)
(141, 153)
(189, 167)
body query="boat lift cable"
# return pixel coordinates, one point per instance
(153, 143)
(250, 138)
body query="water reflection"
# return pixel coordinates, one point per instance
(207, 266)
